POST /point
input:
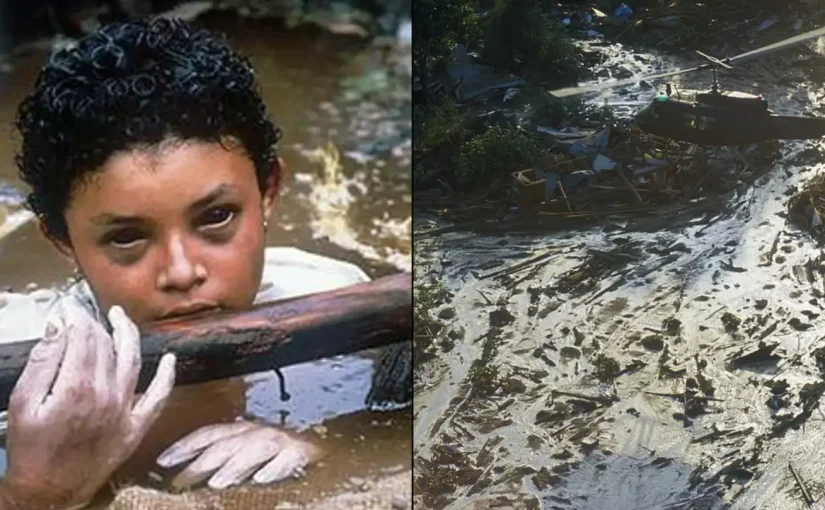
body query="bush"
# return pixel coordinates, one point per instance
(494, 155)
(521, 29)
(557, 112)
(485, 378)
(439, 133)
(605, 368)
(425, 328)
(438, 26)
(429, 296)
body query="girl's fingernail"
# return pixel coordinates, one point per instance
(165, 459)
(115, 314)
(219, 482)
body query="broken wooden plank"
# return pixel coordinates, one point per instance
(593, 398)
(805, 494)
(520, 265)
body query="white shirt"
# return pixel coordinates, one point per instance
(288, 272)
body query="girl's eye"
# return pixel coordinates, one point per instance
(217, 217)
(125, 239)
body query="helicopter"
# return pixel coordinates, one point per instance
(714, 116)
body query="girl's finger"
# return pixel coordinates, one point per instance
(212, 459)
(151, 403)
(127, 352)
(190, 446)
(104, 374)
(34, 384)
(80, 357)
(257, 449)
(291, 461)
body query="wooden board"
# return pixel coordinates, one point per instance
(267, 336)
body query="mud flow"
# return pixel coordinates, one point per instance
(343, 102)
(670, 358)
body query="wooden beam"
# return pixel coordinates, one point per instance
(267, 336)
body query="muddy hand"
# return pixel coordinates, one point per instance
(73, 418)
(230, 453)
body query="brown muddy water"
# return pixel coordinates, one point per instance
(344, 106)
(658, 295)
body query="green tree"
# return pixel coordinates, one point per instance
(438, 27)
(524, 30)
(491, 156)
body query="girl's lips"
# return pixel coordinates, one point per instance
(188, 309)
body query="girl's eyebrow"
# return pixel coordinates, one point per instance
(219, 192)
(109, 219)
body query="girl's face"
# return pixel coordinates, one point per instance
(171, 230)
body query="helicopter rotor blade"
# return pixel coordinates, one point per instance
(739, 59)
(764, 50)
(572, 91)
(715, 60)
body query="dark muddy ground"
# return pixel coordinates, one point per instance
(671, 360)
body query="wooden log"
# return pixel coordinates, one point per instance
(267, 336)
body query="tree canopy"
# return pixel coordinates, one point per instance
(440, 25)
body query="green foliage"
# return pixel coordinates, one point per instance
(495, 154)
(440, 25)
(523, 30)
(439, 132)
(557, 112)
(427, 297)
(605, 368)
(485, 378)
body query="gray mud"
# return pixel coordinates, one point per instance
(711, 315)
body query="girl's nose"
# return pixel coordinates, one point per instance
(181, 273)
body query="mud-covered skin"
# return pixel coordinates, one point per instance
(76, 371)
(718, 442)
(367, 462)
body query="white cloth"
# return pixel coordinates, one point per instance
(288, 272)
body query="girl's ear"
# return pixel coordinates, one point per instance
(273, 187)
(62, 247)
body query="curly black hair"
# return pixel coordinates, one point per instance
(134, 85)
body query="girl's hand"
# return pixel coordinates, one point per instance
(236, 451)
(73, 414)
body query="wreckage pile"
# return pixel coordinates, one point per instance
(676, 23)
(588, 173)
(636, 172)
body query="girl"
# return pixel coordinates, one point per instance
(153, 168)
